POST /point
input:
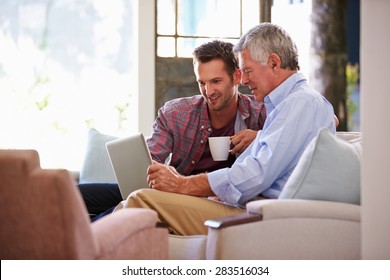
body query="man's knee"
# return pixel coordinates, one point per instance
(137, 198)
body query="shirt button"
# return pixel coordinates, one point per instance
(202, 127)
(193, 162)
(209, 129)
(201, 141)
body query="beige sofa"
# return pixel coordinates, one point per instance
(280, 229)
(316, 217)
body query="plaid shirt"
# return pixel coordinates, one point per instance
(183, 127)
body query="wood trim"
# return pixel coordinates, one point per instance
(233, 220)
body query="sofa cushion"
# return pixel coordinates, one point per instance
(97, 166)
(329, 169)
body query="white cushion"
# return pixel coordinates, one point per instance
(97, 166)
(329, 169)
(349, 136)
(190, 247)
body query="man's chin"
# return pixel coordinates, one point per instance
(215, 108)
(258, 98)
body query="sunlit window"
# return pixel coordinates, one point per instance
(65, 66)
(295, 17)
(184, 24)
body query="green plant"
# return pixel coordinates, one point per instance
(352, 77)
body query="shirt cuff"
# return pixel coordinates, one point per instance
(220, 185)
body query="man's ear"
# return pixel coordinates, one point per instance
(237, 77)
(274, 61)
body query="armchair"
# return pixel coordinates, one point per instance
(43, 217)
(288, 229)
(317, 215)
(277, 229)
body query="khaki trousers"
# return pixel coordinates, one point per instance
(184, 214)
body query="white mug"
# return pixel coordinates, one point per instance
(219, 147)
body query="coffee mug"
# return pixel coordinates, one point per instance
(219, 147)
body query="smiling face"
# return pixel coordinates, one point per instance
(258, 77)
(217, 87)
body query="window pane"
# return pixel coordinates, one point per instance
(65, 66)
(166, 15)
(185, 46)
(209, 18)
(250, 14)
(166, 47)
(295, 17)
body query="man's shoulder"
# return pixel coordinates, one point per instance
(247, 97)
(249, 102)
(181, 107)
(191, 102)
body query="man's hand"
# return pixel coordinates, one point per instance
(163, 177)
(166, 178)
(241, 140)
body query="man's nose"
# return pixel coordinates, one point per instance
(209, 89)
(244, 79)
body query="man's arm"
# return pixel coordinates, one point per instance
(166, 178)
(160, 142)
(241, 140)
(336, 120)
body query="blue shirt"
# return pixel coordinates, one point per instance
(295, 114)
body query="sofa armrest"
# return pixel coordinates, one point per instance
(298, 208)
(281, 209)
(233, 220)
(121, 230)
(289, 229)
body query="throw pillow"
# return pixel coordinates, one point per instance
(97, 166)
(329, 169)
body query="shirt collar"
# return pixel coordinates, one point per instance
(242, 109)
(280, 93)
(204, 115)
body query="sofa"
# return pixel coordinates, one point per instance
(43, 217)
(317, 215)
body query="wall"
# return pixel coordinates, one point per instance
(174, 78)
(145, 60)
(375, 100)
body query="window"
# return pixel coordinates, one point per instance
(295, 17)
(65, 66)
(184, 24)
(69, 65)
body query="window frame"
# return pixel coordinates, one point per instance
(176, 36)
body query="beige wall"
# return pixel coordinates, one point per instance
(375, 100)
(144, 34)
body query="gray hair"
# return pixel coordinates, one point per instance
(267, 38)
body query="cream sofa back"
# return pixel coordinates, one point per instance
(329, 169)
